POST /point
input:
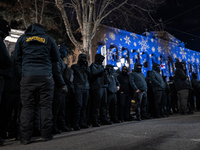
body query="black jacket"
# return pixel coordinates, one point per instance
(157, 81)
(12, 83)
(34, 53)
(172, 87)
(5, 60)
(180, 78)
(58, 71)
(99, 77)
(195, 86)
(81, 76)
(137, 79)
(69, 77)
(124, 83)
(112, 86)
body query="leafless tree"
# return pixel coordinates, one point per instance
(90, 14)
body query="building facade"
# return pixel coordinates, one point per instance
(122, 48)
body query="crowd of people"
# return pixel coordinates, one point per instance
(41, 96)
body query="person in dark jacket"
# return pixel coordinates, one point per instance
(81, 87)
(139, 86)
(150, 95)
(125, 95)
(99, 84)
(12, 88)
(196, 89)
(167, 101)
(5, 68)
(34, 53)
(173, 95)
(70, 96)
(182, 87)
(60, 89)
(113, 87)
(158, 86)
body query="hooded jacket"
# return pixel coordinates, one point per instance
(112, 86)
(123, 79)
(81, 75)
(137, 79)
(5, 60)
(58, 72)
(34, 52)
(157, 81)
(99, 78)
(195, 84)
(180, 78)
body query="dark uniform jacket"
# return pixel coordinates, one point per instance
(58, 72)
(172, 87)
(99, 78)
(137, 80)
(180, 78)
(124, 83)
(157, 81)
(112, 86)
(5, 61)
(81, 76)
(34, 53)
(195, 86)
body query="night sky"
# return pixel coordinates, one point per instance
(181, 18)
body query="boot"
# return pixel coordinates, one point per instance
(56, 131)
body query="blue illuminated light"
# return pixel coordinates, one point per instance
(148, 49)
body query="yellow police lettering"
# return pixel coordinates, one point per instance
(35, 38)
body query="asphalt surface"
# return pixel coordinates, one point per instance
(176, 132)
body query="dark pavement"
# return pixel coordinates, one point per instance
(177, 132)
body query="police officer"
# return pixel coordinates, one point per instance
(125, 95)
(158, 86)
(34, 53)
(113, 87)
(99, 85)
(81, 87)
(5, 67)
(182, 87)
(139, 86)
(196, 89)
(60, 90)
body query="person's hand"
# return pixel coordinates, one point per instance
(118, 88)
(122, 92)
(64, 89)
(137, 91)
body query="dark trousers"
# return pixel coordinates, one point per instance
(197, 94)
(81, 101)
(167, 103)
(1, 86)
(124, 106)
(174, 103)
(141, 103)
(183, 100)
(58, 108)
(150, 96)
(70, 107)
(99, 101)
(30, 86)
(159, 102)
(112, 106)
(13, 105)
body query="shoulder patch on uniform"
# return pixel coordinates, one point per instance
(35, 38)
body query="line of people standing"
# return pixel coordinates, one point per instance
(47, 97)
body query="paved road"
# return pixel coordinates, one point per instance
(172, 133)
